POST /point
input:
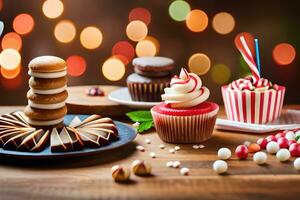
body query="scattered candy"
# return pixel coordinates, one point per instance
(290, 142)
(169, 164)
(152, 155)
(295, 149)
(279, 135)
(184, 171)
(220, 166)
(120, 173)
(290, 135)
(241, 152)
(136, 124)
(253, 148)
(297, 163)
(201, 146)
(283, 155)
(272, 147)
(148, 141)
(161, 146)
(140, 148)
(247, 143)
(94, 91)
(271, 138)
(195, 146)
(141, 168)
(262, 142)
(283, 143)
(260, 158)
(224, 153)
(172, 150)
(176, 164)
(176, 148)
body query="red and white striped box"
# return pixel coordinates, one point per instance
(257, 107)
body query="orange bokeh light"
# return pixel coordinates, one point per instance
(11, 40)
(113, 69)
(284, 54)
(197, 20)
(10, 74)
(223, 23)
(136, 30)
(23, 24)
(125, 50)
(140, 14)
(147, 47)
(199, 63)
(76, 65)
(65, 31)
(91, 37)
(53, 8)
(11, 84)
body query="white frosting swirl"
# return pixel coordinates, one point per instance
(185, 91)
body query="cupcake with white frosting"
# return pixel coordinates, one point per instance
(185, 116)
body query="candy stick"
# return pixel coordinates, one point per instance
(257, 55)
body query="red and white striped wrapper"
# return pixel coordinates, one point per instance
(185, 129)
(257, 107)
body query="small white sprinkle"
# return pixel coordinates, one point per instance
(152, 155)
(148, 141)
(169, 164)
(201, 146)
(140, 148)
(176, 164)
(184, 171)
(195, 146)
(176, 148)
(247, 143)
(136, 124)
(162, 146)
(172, 150)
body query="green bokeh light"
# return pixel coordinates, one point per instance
(179, 9)
(220, 74)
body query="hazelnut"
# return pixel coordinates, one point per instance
(141, 168)
(120, 173)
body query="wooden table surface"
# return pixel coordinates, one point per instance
(90, 178)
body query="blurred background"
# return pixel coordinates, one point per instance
(99, 38)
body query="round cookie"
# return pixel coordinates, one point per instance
(47, 99)
(153, 66)
(46, 84)
(45, 115)
(47, 64)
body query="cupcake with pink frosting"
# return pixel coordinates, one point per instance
(185, 116)
(252, 99)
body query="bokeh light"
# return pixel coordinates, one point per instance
(147, 47)
(136, 30)
(197, 20)
(10, 59)
(23, 23)
(125, 50)
(199, 63)
(65, 31)
(220, 73)
(91, 37)
(223, 23)
(11, 41)
(178, 10)
(11, 84)
(284, 54)
(122, 58)
(113, 69)
(10, 74)
(76, 65)
(141, 14)
(53, 8)
(1, 5)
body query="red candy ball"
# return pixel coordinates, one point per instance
(241, 152)
(295, 149)
(262, 142)
(290, 142)
(279, 135)
(271, 138)
(283, 143)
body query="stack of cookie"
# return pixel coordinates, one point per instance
(47, 94)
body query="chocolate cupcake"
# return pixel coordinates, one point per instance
(152, 75)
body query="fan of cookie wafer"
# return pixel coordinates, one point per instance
(36, 141)
(13, 133)
(14, 119)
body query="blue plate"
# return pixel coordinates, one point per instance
(126, 135)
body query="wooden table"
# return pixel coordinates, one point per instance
(89, 178)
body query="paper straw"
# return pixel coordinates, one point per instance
(257, 55)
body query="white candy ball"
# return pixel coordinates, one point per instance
(220, 166)
(297, 133)
(283, 155)
(260, 158)
(272, 147)
(297, 163)
(224, 153)
(290, 135)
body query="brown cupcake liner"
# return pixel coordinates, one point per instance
(185, 129)
(149, 92)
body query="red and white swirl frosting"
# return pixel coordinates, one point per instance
(251, 83)
(185, 91)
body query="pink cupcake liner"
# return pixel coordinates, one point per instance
(185, 129)
(253, 106)
(150, 92)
